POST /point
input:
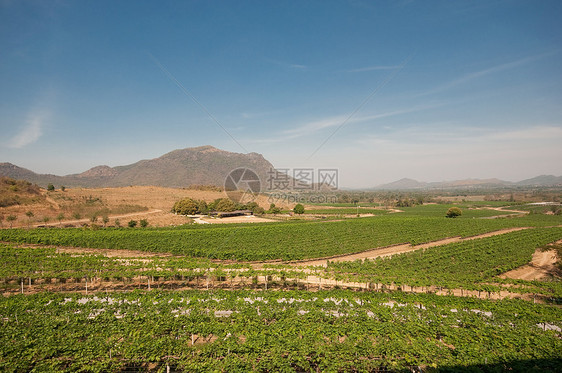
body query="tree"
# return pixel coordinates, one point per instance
(46, 219)
(273, 209)
(60, 218)
(225, 205)
(62, 188)
(453, 212)
(202, 207)
(144, 223)
(186, 206)
(132, 223)
(51, 188)
(298, 209)
(117, 223)
(77, 216)
(29, 215)
(11, 219)
(105, 220)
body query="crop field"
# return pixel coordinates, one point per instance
(200, 298)
(276, 241)
(241, 331)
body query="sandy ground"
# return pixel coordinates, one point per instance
(233, 219)
(157, 200)
(397, 249)
(543, 265)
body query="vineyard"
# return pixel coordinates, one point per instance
(275, 241)
(274, 331)
(186, 309)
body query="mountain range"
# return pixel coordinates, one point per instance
(204, 165)
(207, 165)
(409, 184)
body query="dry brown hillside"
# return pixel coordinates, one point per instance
(78, 205)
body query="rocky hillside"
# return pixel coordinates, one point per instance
(205, 165)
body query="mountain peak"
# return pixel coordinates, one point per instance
(204, 165)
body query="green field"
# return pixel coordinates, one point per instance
(286, 241)
(245, 331)
(266, 321)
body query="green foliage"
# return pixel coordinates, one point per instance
(465, 264)
(132, 223)
(278, 240)
(244, 331)
(186, 206)
(298, 209)
(273, 209)
(11, 219)
(144, 223)
(51, 188)
(224, 205)
(117, 223)
(258, 210)
(453, 212)
(63, 188)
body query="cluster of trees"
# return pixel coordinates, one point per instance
(189, 206)
(51, 188)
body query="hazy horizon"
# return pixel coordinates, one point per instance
(430, 91)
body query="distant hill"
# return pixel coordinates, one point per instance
(404, 183)
(543, 180)
(205, 165)
(411, 184)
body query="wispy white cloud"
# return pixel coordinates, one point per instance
(315, 126)
(287, 65)
(297, 66)
(375, 67)
(430, 136)
(311, 127)
(30, 132)
(491, 70)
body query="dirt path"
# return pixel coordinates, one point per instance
(78, 221)
(112, 253)
(541, 266)
(399, 249)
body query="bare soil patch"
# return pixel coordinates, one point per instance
(234, 219)
(542, 266)
(112, 253)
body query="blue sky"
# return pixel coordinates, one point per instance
(431, 90)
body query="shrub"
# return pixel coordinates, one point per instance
(453, 212)
(298, 209)
(132, 223)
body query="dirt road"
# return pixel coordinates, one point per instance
(398, 249)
